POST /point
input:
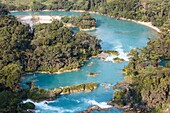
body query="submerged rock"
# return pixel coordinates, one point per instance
(91, 63)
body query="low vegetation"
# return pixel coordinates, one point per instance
(113, 52)
(118, 60)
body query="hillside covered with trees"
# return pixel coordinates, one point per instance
(56, 47)
(155, 11)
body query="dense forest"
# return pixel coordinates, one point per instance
(155, 11)
(46, 47)
(84, 21)
(56, 47)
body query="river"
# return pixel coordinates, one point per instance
(115, 35)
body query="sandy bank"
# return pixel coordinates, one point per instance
(58, 72)
(37, 19)
(148, 24)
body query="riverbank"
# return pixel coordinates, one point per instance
(148, 24)
(35, 19)
(58, 72)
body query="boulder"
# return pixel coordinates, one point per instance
(94, 108)
(57, 91)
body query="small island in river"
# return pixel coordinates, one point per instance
(84, 22)
(92, 74)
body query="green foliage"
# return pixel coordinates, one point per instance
(119, 94)
(35, 6)
(49, 47)
(85, 21)
(117, 60)
(55, 47)
(14, 39)
(9, 101)
(38, 94)
(27, 105)
(10, 76)
(149, 78)
(155, 11)
(3, 9)
(113, 52)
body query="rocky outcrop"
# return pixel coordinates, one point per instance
(26, 106)
(91, 63)
(112, 52)
(94, 108)
(66, 90)
(92, 74)
(77, 88)
(118, 60)
(39, 94)
(88, 87)
(57, 91)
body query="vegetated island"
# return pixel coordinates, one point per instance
(84, 22)
(92, 74)
(112, 52)
(39, 94)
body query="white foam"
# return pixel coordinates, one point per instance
(121, 52)
(43, 105)
(100, 104)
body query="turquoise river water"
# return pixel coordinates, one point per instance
(115, 35)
